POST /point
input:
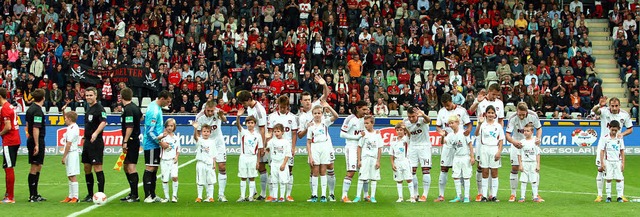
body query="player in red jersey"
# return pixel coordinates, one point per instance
(10, 143)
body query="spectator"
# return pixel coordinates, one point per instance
(432, 100)
(563, 102)
(457, 97)
(380, 109)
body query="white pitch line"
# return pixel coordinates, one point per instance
(119, 194)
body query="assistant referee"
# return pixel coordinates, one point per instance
(151, 143)
(131, 117)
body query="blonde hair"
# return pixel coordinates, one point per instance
(453, 118)
(170, 121)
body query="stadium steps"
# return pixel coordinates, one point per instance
(606, 65)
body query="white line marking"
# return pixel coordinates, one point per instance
(119, 194)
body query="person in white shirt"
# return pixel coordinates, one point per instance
(256, 109)
(463, 158)
(214, 117)
(400, 161)
(320, 148)
(248, 163)
(169, 162)
(611, 151)
(280, 152)
(289, 121)
(575, 4)
(369, 153)
(352, 130)
(71, 158)
(514, 134)
(381, 109)
(206, 161)
(491, 140)
(419, 149)
(529, 161)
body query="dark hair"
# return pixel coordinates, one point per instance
(361, 103)
(38, 95)
(614, 123)
(251, 118)
(165, 95)
(126, 93)
(3, 92)
(445, 98)
(244, 96)
(278, 127)
(490, 107)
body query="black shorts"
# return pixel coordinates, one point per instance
(10, 154)
(152, 157)
(133, 148)
(39, 158)
(92, 153)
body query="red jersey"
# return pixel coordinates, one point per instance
(291, 84)
(175, 78)
(276, 86)
(12, 138)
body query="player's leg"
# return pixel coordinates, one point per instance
(222, 180)
(445, 164)
(484, 183)
(243, 189)
(211, 181)
(174, 178)
(494, 181)
(273, 179)
(363, 174)
(262, 169)
(425, 161)
(283, 181)
(73, 189)
(314, 181)
(130, 161)
(323, 182)
(165, 176)
(97, 167)
(331, 176)
(10, 153)
(599, 180)
(200, 179)
(513, 176)
(534, 188)
(479, 174)
(619, 190)
(351, 163)
(36, 160)
(458, 185)
(89, 181)
(252, 187)
(289, 190)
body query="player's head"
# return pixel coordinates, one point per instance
(490, 113)
(614, 127)
(170, 125)
(3, 93)
(317, 113)
(361, 108)
(368, 122)
(528, 130)
(164, 98)
(126, 94)
(447, 102)
(278, 130)
(38, 95)
(205, 130)
(210, 108)
(306, 100)
(412, 114)
(454, 121)
(245, 98)
(91, 95)
(614, 105)
(250, 122)
(283, 104)
(70, 117)
(494, 91)
(523, 110)
(401, 129)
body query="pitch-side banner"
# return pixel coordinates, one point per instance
(556, 140)
(132, 76)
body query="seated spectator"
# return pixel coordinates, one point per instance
(380, 109)
(432, 100)
(563, 102)
(576, 104)
(457, 97)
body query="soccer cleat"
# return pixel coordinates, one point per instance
(260, 198)
(521, 200)
(250, 199)
(598, 199)
(455, 200)
(164, 200)
(32, 199)
(439, 199)
(198, 200)
(149, 199)
(133, 200)
(357, 199)
(399, 200)
(367, 198)
(269, 199)
(222, 198)
(88, 199)
(373, 200)
(620, 200)
(39, 198)
(75, 200)
(494, 199)
(281, 200)
(608, 200)
(537, 200)
(174, 199)
(512, 198)
(66, 200)
(540, 198)
(157, 199)
(240, 200)
(310, 198)
(332, 198)
(345, 199)
(479, 198)
(484, 199)
(124, 199)
(290, 198)
(624, 199)
(323, 199)
(466, 200)
(314, 199)
(210, 200)
(413, 200)
(7, 200)
(423, 198)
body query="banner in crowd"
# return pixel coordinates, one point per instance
(132, 76)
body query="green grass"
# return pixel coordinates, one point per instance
(567, 185)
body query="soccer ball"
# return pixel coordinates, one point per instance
(99, 198)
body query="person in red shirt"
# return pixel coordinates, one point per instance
(10, 144)
(45, 83)
(291, 83)
(276, 85)
(404, 77)
(175, 77)
(393, 87)
(223, 106)
(569, 81)
(72, 28)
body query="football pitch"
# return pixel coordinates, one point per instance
(567, 185)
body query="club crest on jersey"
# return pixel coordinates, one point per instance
(90, 117)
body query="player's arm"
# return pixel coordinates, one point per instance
(501, 121)
(344, 132)
(596, 108)
(441, 131)
(539, 136)
(471, 151)
(325, 88)
(309, 150)
(468, 127)
(36, 135)
(175, 160)
(358, 153)
(334, 114)
(221, 115)
(196, 134)
(378, 158)
(127, 135)
(238, 114)
(629, 129)
(538, 162)
(520, 160)
(67, 148)
(393, 159)
(7, 127)
(602, 159)
(500, 146)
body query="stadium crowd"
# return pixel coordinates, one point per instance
(393, 54)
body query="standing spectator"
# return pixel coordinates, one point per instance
(355, 67)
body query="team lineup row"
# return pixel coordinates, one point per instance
(271, 141)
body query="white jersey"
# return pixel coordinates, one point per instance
(319, 132)
(259, 113)
(491, 134)
(352, 125)
(72, 135)
(443, 117)
(497, 103)
(370, 144)
(399, 149)
(287, 120)
(174, 145)
(250, 142)
(611, 147)
(305, 117)
(516, 125)
(606, 117)
(419, 132)
(214, 121)
(529, 150)
(206, 150)
(459, 142)
(279, 149)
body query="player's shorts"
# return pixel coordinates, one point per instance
(10, 154)
(613, 170)
(419, 155)
(92, 153)
(529, 174)
(169, 169)
(368, 169)
(513, 155)
(403, 171)
(488, 156)
(38, 159)
(247, 166)
(446, 157)
(222, 151)
(205, 174)
(277, 176)
(152, 157)
(461, 167)
(321, 152)
(133, 152)
(477, 149)
(351, 157)
(72, 163)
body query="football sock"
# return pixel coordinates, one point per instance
(620, 188)
(513, 180)
(243, 189)
(365, 188)
(32, 185)
(89, 178)
(70, 190)
(323, 185)
(467, 185)
(346, 184)
(222, 183)
(210, 189)
(273, 193)
(283, 186)
(359, 188)
(608, 189)
(10, 180)
(523, 189)
(290, 185)
(263, 184)
(200, 188)
(311, 184)
(165, 187)
(133, 184)
(331, 180)
(154, 178)
(415, 183)
(458, 184)
(100, 178)
(410, 187)
(480, 182)
(534, 188)
(374, 185)
(37, 182)
(146, 183)
(442, 183)
(76, 192)
(314, 185)
(252, 188)
(175, 188)
(426, 185)
(485, 187)
(399, 188)
(494, 187)
(599, 183)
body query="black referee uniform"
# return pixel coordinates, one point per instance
(93, 152)
(130, 118)
(35, 119)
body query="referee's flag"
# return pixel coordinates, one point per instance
(118, 165)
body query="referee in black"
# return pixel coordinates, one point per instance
(95, 119)
(35, 142)
(131, 116)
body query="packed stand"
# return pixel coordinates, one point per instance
(623, 23)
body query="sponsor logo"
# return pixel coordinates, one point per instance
(110, 137)
(584, 138)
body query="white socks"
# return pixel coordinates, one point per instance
(374, 185)
(410, 187)
(415, 184)
(73, 189)
(620, 188)
(243, 189)
(200, 188)
(331, 179)
(365, 188)
(467, 185)
(222, 183)
(458, 185)
(599, 183)
(399, 188)
(311, 184)
(175, 189)
(273, 192)
(442, 183)
(426, 184)
(263, 184)
(290, 185)
(314, 185)
(359, 188)
(513, 179)
(210, 189)
(485, 187)
(346, 184)
(283, 186)
(523, 189)
(534, 188)
(480, 182)
(608, 187)
(165, 187)
(323, 185)
(252, 188)
(494, 187)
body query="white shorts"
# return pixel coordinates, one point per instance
(351, 157)
(247, 166)
(368, 169)
(205, 174)
(222, 151)
(446, 156)
(403, 171)
(488, 156)
(169, 169)
(419, 155)
(513, 155)
(613, 170)
(529, 174)
(461, 167)
(277, 176)
(322, 153)
(73, 164)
